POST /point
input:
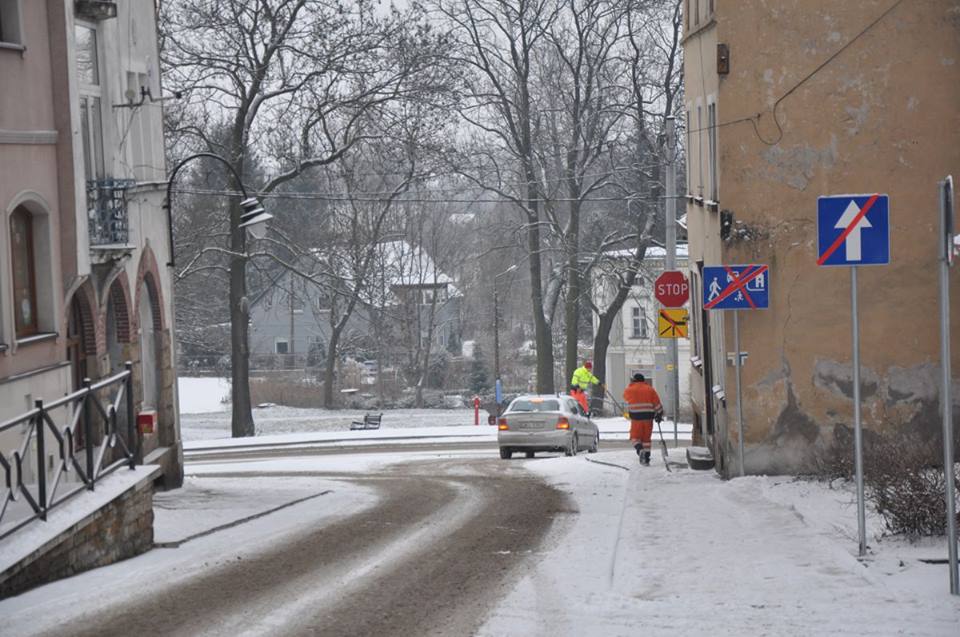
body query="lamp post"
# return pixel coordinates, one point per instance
(498, 386)
(252, 218)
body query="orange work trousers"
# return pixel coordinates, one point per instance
(641, 431)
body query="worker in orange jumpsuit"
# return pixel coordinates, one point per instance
(643, 405)
(581, 397)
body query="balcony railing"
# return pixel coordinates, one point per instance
(107, 218)
(31, 482)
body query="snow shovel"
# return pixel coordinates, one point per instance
(663, 447)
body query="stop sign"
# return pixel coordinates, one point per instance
(672, 289)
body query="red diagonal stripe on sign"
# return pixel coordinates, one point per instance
(673, 324)
(745, 277)
(846, 231)
(743, 291)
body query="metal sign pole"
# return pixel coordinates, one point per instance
(739, 363)
(670, 228)
(946, 400)
(857, 428)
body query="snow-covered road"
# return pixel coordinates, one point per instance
(409, 539)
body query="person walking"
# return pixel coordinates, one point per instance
(643, 406)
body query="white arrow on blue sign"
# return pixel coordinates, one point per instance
(736, 287)
(853, 230)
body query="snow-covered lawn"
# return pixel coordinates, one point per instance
(203, 417)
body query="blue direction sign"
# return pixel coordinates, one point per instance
(853, 230)
(736, 287)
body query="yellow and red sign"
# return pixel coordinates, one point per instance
(672, 323)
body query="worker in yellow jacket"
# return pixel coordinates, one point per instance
(583, 376)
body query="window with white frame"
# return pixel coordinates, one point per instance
(10, 29)
(88, 78)
(712, 149)
(31, 271)
(281, 346)
(638, 322)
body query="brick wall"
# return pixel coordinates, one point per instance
(121, 529)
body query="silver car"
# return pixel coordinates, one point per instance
(546, 423)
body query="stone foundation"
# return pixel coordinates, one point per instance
(121, 529)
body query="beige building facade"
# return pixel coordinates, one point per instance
(84, 242)
(786, 102)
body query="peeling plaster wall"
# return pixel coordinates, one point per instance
(882, 117)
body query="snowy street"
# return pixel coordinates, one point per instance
(418, 536)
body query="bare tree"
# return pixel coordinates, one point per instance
(655, 76)
(292, 81)
(498, 46)
(587, 104)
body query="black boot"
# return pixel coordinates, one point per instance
(646, 457)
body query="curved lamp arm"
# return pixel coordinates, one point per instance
(173, 175)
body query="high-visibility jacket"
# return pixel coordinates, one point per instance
(642, 401)
(582, 378)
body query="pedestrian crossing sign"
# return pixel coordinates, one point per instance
(672, 323)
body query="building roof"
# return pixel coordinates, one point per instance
(653, 252)
(405, 265)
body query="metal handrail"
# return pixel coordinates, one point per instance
(42, 495)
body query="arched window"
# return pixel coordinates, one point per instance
(24, 272)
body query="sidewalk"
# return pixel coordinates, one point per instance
(685, 552)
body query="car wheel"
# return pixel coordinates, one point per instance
(572, 449)
(530, 454)
(596, 444)
(506, 453)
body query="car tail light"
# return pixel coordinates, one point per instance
(563, 423)
(502, 424)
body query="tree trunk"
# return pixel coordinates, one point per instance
(241, 420)
(601, 342)
(330, 367)
(541, 329)
(572, 305)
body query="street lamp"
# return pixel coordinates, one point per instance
(498, 386)
(252, 219)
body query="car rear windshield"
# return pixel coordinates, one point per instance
(525, 404)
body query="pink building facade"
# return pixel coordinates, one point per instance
(83, 244)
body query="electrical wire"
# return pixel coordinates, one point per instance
(332, 197)
(755, 118)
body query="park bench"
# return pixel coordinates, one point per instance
(370, 421)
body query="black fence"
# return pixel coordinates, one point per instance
(89, 443)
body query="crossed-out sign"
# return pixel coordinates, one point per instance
(672, 323)
(853, 230)
(736, 287)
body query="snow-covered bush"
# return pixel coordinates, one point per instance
(903, 478)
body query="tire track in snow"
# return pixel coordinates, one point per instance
(430, 557)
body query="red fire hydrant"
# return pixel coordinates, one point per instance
(476, 410)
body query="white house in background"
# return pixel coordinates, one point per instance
(635, 345)
(290, 322)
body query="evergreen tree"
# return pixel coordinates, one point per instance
(479, 380)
